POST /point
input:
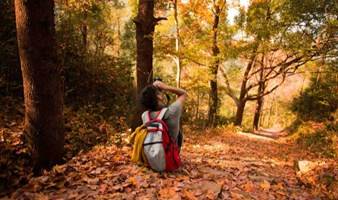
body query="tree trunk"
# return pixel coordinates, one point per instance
(84, 33)
(42, 81)
(243, 91)
(177, 47)
(213, 103)
(260, 97)
(145, 27)
(240, 113)
(271, 109)
(241, 103)
(258, 112)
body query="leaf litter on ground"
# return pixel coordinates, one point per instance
(217, 164)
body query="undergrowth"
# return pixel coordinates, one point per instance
(320, 138)
(85, 127)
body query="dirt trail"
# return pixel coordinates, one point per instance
(218, 164)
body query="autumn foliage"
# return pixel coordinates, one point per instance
(260, 121)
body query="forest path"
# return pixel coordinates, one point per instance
(218, 164)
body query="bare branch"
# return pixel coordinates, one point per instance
(256, 97)
(158, 19)
(229, 91)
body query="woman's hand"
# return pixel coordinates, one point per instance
(160, 85)
(182, 94)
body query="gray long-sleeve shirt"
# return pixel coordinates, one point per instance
(171, 117)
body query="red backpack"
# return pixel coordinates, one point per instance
(161, 150)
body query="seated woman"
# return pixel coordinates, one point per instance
(152, 98)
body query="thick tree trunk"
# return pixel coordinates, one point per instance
(260, 97)
(42, 80)
(241, 103)
(145, 27)
(240, 113)
(213, 103)
(244, 91)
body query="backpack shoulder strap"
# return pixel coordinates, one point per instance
(162, 112)
(146, 116)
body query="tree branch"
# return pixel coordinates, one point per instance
(158, 19)
(229, 91)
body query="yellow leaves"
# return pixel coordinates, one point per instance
(133, 181)
(265, 185)
(138, 182)
(59, 169)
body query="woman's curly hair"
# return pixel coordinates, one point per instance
(148, 97)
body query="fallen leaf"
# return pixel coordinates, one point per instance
(169, 193)
(265, 185)
(92, 181)
(103, 188)
(188, 195)
(248, 186)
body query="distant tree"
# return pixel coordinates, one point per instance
(42, 81)
(202, 28)
(177, 58)
(278, 43)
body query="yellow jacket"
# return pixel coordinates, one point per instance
(137, 138)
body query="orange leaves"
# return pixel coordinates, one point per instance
(103, 188)
(139, 181)
(169, 193)
(188, 195)
(265, 185)
(216, 166)
(249, 186)
(206, 189)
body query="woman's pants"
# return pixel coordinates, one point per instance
(180, 139)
